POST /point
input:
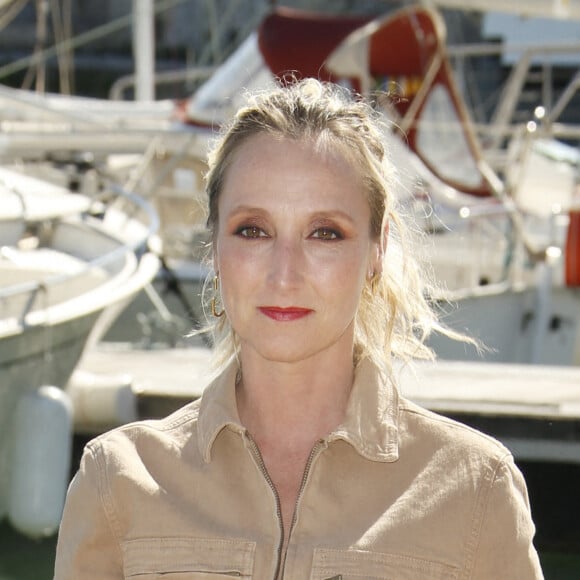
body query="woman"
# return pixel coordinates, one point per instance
(301, 460)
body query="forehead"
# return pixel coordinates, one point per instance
(266, 156)
(288, 178)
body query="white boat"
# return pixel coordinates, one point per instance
(505, 250)
(491, 232)
(65, 275)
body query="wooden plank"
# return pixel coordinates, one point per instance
(466, 387)
(494, 388)
(533, 410)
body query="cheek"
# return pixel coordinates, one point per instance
(230, 254)
(238, 270)
(344, 277)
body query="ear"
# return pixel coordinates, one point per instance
(385, 239)
(378, 253)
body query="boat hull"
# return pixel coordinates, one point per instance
(515, 326)
(41, 355)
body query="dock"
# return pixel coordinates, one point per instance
(534, 410)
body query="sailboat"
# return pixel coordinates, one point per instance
(487, 248)
(485, 243)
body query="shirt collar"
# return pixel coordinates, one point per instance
(218, 409)
(370, 423)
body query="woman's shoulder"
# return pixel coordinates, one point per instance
(174, 430)
(434, 430)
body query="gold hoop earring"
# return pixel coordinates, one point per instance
(374, 281)
(212, 304)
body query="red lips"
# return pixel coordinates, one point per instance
(285, 314)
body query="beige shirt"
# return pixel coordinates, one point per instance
(395, 492)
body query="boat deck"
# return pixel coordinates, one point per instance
(534, 410)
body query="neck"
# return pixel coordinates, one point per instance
(296, 403)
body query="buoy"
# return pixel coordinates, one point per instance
(39, 461)
(101, 402)
(572, 255)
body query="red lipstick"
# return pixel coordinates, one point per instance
(285, 314)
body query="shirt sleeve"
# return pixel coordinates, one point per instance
(505, 546)
(87, 546)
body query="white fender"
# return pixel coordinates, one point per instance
(40, 461)
(101, 402)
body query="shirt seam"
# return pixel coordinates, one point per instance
(189, 416)
(105, 497)
(158, 426)
(458, 425)
(482, 505)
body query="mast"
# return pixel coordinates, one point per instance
(144, 49)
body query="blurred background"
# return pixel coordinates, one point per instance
(107, 110)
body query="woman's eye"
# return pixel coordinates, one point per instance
(250, 232)
(326, 234)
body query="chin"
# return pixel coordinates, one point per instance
(288, 354)
(283, 355)
(298, 346)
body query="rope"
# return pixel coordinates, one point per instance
(82, 39)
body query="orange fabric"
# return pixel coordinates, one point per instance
(573, 250)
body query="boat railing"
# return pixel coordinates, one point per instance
(188, 75)
(490, 249)
(134, 245)
(481, 247)
(37, 103)
(503, 124)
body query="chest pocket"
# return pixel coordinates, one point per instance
(362, 565)
(187, 559)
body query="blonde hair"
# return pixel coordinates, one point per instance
(394, 317)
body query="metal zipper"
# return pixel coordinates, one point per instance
(262, 466)
(313, 454)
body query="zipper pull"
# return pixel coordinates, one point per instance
(337, 577)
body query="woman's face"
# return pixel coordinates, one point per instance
(292, 249)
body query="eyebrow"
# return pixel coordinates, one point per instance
(316, 215)
(247, 209)
(333, 214)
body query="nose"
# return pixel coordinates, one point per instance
(287, 263)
